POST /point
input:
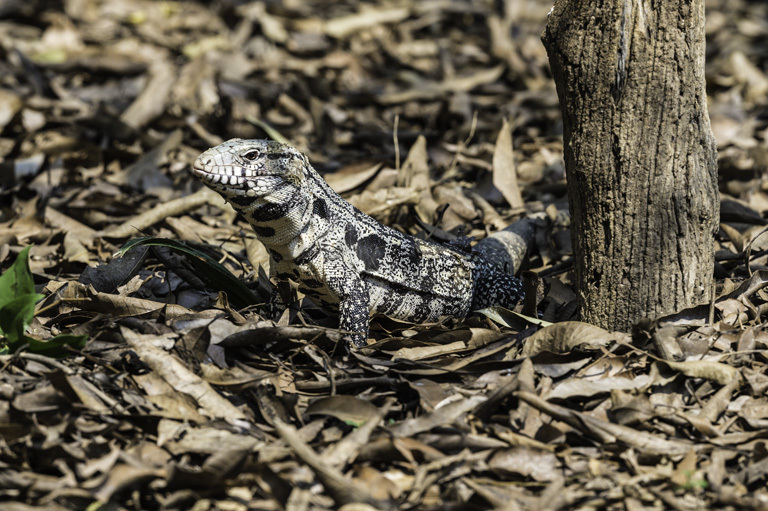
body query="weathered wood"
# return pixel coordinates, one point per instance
(639, 154)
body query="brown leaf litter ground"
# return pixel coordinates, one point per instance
(180, 400)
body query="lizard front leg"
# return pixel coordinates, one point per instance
(353, 293)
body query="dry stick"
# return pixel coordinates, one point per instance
(340, 488)
(397, 143)
(608, 432)
(37, 358)
(160, 212)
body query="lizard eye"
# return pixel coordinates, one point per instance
(251, 155)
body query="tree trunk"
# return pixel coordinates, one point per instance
(639, 154)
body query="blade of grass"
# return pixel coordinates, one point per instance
(214, 273)
(271, 132)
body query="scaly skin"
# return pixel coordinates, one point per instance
(340, 256)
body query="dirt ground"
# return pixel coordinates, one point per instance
(160, 386)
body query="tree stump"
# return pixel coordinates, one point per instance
(640, 157)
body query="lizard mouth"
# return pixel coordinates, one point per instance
(207, 171)
(202, 172)
(252, 183)
(218, 178)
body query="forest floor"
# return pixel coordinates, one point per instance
(154, 391)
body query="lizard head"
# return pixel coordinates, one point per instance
(270, 184)
(250, 168)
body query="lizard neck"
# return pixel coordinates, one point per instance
(300, 228)
(297, 236)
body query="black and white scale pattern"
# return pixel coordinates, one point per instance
(341, 256)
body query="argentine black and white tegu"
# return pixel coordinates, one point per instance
(341, 257)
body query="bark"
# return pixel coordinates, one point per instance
(639, 154)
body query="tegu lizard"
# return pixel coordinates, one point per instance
(342, 257)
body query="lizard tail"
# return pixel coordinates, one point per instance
(505, 250)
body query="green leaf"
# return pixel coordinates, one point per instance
(214, 273)
(17, 300)
(17, 280)
(16, 316)
(17, 310)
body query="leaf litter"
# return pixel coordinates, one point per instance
(185, 398)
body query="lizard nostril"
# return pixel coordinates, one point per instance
(201, 164)
(203, 161)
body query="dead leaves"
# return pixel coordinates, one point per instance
(715, 371)
(568, 335)
(502, 407)
(472, 408)
(505, 169)
(180, 400)
(178, 376)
